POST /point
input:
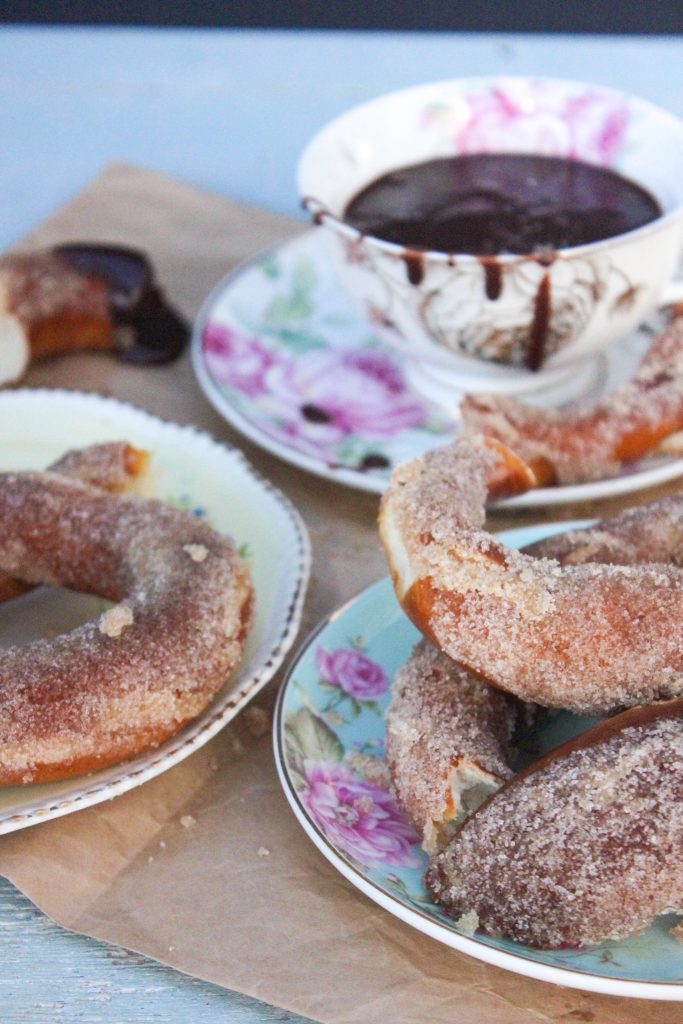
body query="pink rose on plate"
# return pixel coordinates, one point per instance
(359, 676)
(331, 393)
(359, 817)
(237, 360)
(543, 118)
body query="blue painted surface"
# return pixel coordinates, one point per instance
(80, 981)
(229, 111)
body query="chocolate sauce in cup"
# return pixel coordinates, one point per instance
(487, 204)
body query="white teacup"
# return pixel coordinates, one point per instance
(528, 323)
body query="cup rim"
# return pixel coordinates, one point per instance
(323, 216)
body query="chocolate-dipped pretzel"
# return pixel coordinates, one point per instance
(80, 297)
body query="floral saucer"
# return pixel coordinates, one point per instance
(329, 745)
(283, 356)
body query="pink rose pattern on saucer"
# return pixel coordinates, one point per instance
(347, 792)
(358, 816)
(343, 393)
(353, 672)
(312, 376)
(237, 360)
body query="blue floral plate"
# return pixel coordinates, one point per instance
(285, 358)
(329, 745)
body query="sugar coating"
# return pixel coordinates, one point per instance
(197, 552)
(113, 622)
(256, 720)
(115, 466)
(582, 849)
(647, 533)
(447, 741)
(80, 698)
(588, 637)
(579, 443)
(43, 285)
(468, 923)
(375, 769)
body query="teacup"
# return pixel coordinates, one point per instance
(511, 323)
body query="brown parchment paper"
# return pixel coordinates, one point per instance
(285, 927)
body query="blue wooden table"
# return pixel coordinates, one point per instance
(228, 111)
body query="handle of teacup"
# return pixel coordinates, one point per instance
(672, 293)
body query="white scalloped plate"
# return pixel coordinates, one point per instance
(189, 470)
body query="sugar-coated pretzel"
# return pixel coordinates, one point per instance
(448, 732)
(79, 297)
(119, 685)
(591, 638)
(577, 444)
(651, 533)
(581, 847)
(447, 742)
(114, 466)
